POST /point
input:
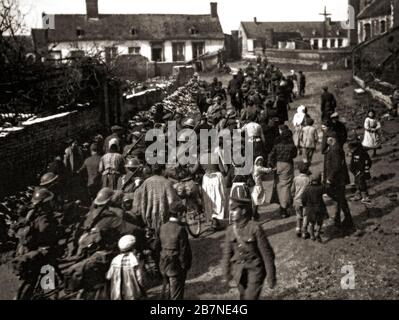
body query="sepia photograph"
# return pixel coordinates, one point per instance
(222, 152)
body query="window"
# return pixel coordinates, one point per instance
(80, 32)
(315, 44)
(367, 31)
(133, 31)
(332, 43)
(258, 43)
(76, 54)
(134, 50)
(324, 43)
(193, 30)
(157, 52)
(178, 50)
(383, 28)
(340, 43)
(110, 53)
(198, 49)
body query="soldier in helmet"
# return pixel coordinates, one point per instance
(38, 241)
(248, 257)
(127, 182)
(50, 181)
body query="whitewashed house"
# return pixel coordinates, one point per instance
(158, 37)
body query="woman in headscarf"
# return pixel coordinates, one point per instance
(254, 133)
(213, 189)
(282, 160)
(298, 123)
(258, 192)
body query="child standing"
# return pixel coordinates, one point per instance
(298, 187)
(315, 211)
(360, 166)
(125, 275)
(372, 133)
(258, 192)
(308, 140)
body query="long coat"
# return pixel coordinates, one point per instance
(335, 168)
(175, 249)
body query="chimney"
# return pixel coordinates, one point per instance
(92, 9)
(214, 9)
(328, 22)
(255, 20)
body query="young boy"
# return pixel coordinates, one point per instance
(298, 187)
(125, 275)
(308, 140)
(360, 167)
(315, 210)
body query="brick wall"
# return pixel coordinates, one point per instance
(25, 151)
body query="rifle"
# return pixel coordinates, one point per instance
(135, 144)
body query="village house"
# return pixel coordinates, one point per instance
(256, 36)
(163, 38)
(376, 18)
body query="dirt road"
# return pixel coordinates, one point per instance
(305, 269)
(308, 270)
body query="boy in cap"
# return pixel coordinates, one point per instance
(315, 211)
(301, 182)
(125, 274)
(175, 260)
(360, 165)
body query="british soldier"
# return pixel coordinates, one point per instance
(248, 257)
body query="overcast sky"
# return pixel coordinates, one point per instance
(231, 12)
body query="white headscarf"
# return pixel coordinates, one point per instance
(299, 116)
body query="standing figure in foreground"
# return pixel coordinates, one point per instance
(248, 257)
(282, 160)
(175, 253)
(315, 211)
(336, 177)
(125, 273)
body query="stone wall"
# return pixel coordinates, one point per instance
(26, 150)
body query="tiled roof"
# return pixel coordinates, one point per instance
(135, 27)
(305, 29)
(376, 8)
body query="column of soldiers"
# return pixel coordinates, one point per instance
(126, 195)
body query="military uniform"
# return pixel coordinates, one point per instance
(249, 258)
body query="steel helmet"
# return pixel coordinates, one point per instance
(42, 196)
(47, 179)
(104, 196)
(133, 163)
(190, 123)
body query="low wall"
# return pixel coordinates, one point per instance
(379, 90)
(335, 59)
(26, 150)
(143, 100)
